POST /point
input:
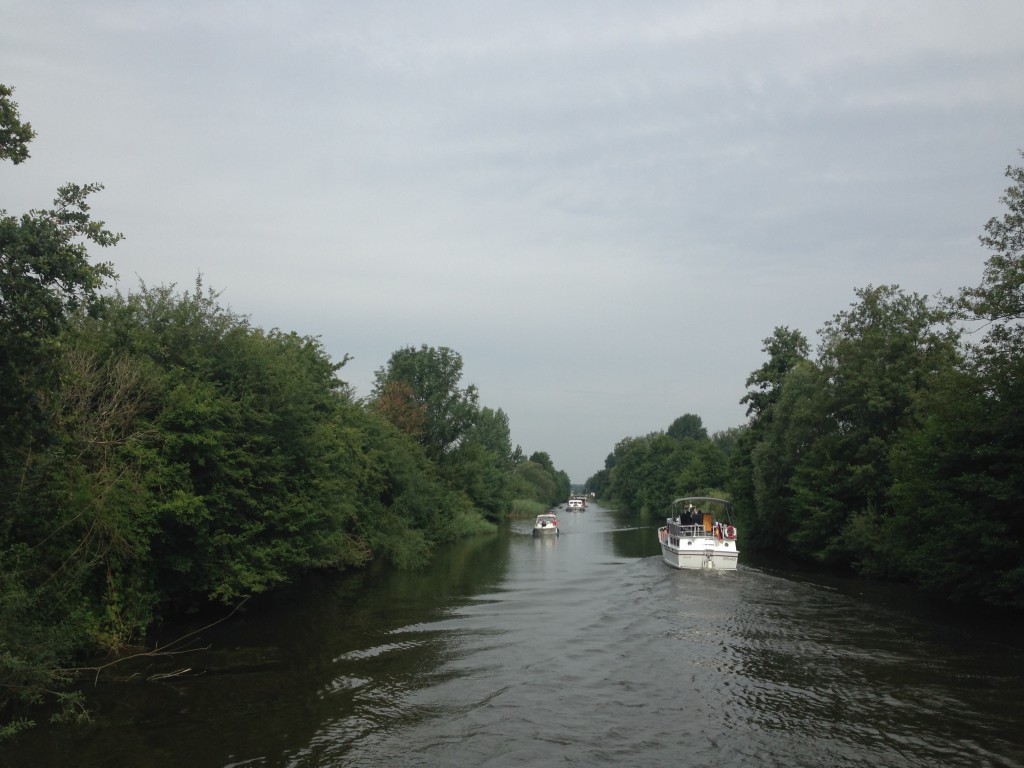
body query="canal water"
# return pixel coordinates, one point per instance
(580, 650)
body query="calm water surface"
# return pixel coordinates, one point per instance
(582, 650)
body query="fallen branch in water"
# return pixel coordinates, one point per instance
(173, 648)
(166, 675)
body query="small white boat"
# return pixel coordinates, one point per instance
(699, 535)
(546, 525)
(576, 504)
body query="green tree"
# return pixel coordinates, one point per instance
(543, 459)
(785, 348)
(537, 479)
(705, 468)
(958, 478)
(103, 529)
(688, 426)
(875, 360)
(657, 473)
(46, 278)
(491, 431)
(433, 376)
(483, 462)
(1000, 297)
(626, 476)
(761, 512)
(597, 483)
(255, 484)
(727, 439)
(644, 474)
(15, 136)
(797, 415)
(397, 402)
(404, 507)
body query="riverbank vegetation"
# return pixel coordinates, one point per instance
(159, 454)
(896, 451)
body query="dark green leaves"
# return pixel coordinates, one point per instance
(14, 134)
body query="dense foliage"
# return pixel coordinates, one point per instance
(159, 454)
(895, 452)
(419, 391)
(645, 473)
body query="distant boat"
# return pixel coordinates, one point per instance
(546, 525)
(576, 504)
(699, 535)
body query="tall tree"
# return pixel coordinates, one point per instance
(688, 426)
(484, 461)
(46, 278)
(397, 403)
(780, 438)
(433, 376)
(959, 478)
(1000, 297)
(875, 359)
(758, 508)
(785, 348)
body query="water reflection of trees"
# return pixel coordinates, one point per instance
(308, 669)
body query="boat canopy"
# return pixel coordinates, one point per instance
(700, 499)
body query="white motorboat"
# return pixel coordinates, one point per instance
(700, 535)
(546, 525)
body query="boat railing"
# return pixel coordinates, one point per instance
(689, 531)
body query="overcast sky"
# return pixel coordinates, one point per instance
(604, 207)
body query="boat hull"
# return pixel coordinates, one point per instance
(550, 530)
(698, 552)
(700, 558)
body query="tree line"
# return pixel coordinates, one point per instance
(896, 451)
(159, 453)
